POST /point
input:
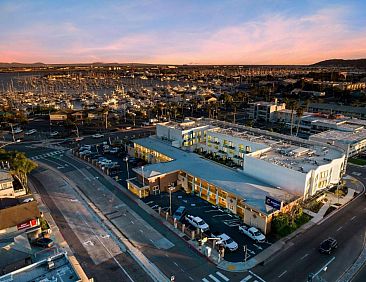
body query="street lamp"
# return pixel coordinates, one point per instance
(170, 188)
(143, 177)
(128, 172)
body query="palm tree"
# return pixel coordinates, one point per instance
(299, 114)
(292, 105)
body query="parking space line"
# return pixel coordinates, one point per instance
(283, 273)
(339, 228)
(204, 280)
(214, 278)
(304, 256)
(222, 276)
(353, 217)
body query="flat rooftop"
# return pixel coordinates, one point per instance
(56, 268)
(186, 125)
(253, 191)
(343, 136)
(287, 151)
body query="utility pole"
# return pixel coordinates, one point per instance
(245, 248)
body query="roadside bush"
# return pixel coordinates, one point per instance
(285, 223)
(44, 224)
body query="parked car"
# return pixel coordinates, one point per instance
(43, 242)
(30, 132)
(226, 241)
(98, 135)
(327, 246)
(85, 147)
(179, 213)
(113, 150)
(54, 133)
(253, 233)
(197, 222)
(85, 153)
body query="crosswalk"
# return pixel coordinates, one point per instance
(216, 277)
(59, 152)
(219, 277)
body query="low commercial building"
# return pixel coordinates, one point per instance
(17, 216)
(350, 111)
(54, 268)
(272, 170)
(6, 186)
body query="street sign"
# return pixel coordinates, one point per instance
(273, 203)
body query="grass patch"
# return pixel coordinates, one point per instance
(357, 161)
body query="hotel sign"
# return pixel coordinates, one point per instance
(273, 203)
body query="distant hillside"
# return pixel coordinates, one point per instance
(359, 63)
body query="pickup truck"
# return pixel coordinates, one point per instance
(197, 222)
(253, 233)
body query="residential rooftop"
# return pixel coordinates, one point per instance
(253, 191)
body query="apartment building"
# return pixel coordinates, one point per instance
(264, 111)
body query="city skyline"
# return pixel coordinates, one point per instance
(181, 32)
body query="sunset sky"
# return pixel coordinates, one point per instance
(182, 32)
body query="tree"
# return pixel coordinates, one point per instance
(292, 105)
(299, 114)
(20, 166)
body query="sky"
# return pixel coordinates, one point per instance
(182, 32)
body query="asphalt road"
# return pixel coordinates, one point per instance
(301, 256)
(100, 257)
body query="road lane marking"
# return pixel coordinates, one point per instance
(339, 228)
(304, 256)
(190, 278)
(246, 278)
(222, 276)
(326, 265)
(214, 278)
(353, 217)
(175, 263)
(283, 273)
(204, 280)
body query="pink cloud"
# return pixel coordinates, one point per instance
(271, 39)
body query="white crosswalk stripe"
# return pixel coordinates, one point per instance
(47, 155)
(247, 278)
(216, 277)
(222, 276)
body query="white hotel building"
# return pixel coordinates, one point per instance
(268, 164)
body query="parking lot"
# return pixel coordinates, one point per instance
(218, 219)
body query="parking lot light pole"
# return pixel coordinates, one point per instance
(128, 172)
(170, 188)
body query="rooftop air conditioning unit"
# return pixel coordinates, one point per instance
(51, 265)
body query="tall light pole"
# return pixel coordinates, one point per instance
(170, 188)
(128, 172)
(143, 177)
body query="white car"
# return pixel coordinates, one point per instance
(227, 242)
(55, 133)
(197, 222)
(253, 233)
(30, 132)
(98, 135)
